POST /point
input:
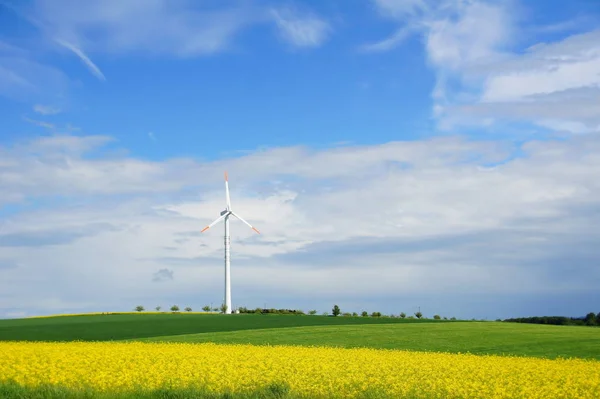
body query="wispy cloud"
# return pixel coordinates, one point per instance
(46, 109)
(163, 275)
(301, 29)
(390, 42)
(128, 27)
(84, 58)
(483, 79)
(46, 125)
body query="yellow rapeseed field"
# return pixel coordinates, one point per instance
(311, 371)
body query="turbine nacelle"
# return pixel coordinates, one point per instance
(227, 211)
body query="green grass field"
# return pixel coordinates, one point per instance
(474, 337)
(133, 326)
(384, 333)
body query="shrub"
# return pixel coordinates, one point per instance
(403, 315)
(453, 318)
(312, 312)
(139, 308)
(157, 308)
(174, 308)
(364, 313)
(223, 308)
(206, 308)
(188, 309)
(354, 314)
(419, 315)
(376, 314)
(336, 310)
(436, 317)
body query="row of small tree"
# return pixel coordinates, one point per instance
(591, 319)
(174, 308)
(336, 311)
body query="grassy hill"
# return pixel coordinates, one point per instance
(128, 326)
(474, 337)
(384, 333)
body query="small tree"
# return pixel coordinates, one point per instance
(590, 319)
(139, 308)
(436, 317)
(354, 314)
(223, 308)
(364, 313)
(157, 308)
(325, 314)
(419, 315)
(206, 308)
(403, 315)
(453, 318)
(312, 312)
(174, 308)
(376, 314)
(188, 309)
(336, 310)
(215, 309)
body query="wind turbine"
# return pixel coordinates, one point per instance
(225, 216)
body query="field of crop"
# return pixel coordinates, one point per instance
(473, 337)
(133, 326)
(210, 356)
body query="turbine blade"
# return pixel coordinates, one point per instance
(248, 224)
(227, 192)
(213, 223)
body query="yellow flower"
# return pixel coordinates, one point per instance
(311, 371)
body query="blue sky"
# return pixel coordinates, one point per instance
(394, 154)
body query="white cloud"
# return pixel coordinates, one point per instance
(22, 78)
(481, 76)
(420, 217)
(548, 68)
(43, 124)
(84, 58)
(46, 109)
(181, 28)
(301, 30)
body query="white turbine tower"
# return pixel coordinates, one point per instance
(225, 216)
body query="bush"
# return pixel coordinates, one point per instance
(419, 315)
(157, 308)
(436, 317)
(312, 312)
(139, 308)
(188, 309)
(376, 314)
(453, 318)
(354, 314)
(206, 308)
(336, 310)
(403, 315)
(174, 308)
(364, 313)
(223, 308)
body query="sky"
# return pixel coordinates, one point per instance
(395, 155)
